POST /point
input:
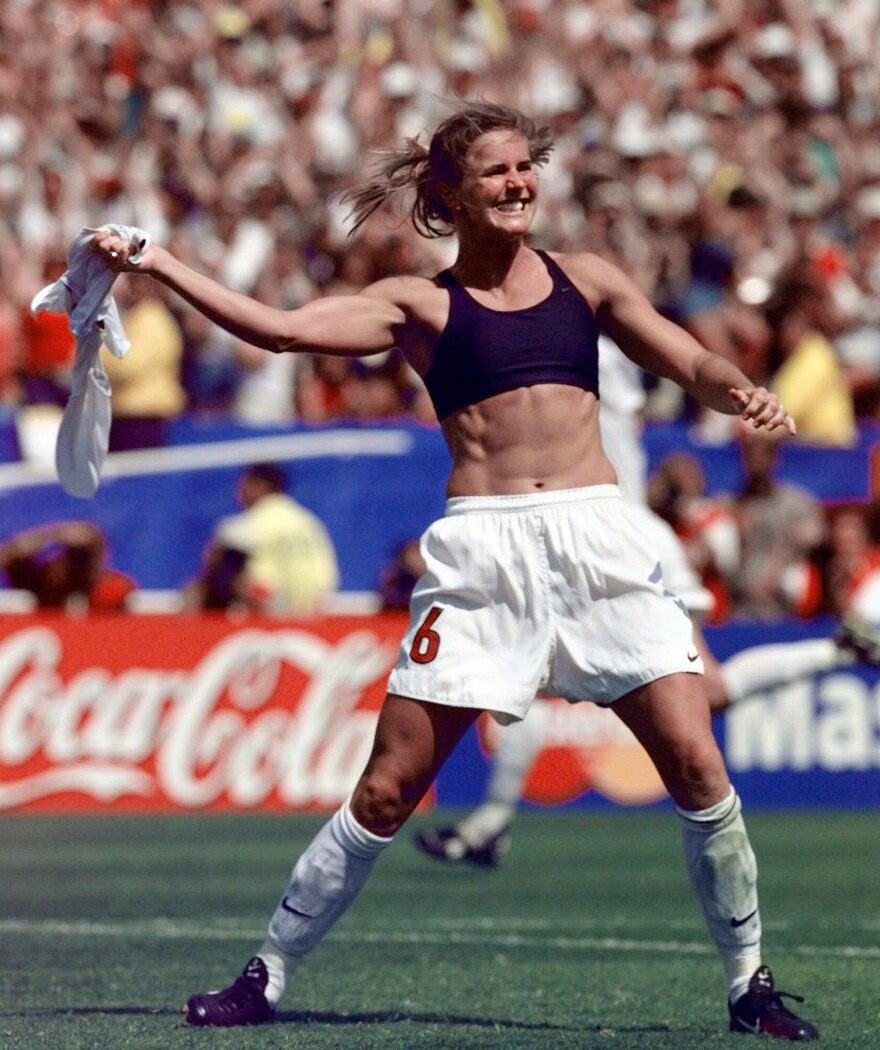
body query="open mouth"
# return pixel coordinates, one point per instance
(512, 206)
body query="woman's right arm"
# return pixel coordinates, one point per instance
(348, 325)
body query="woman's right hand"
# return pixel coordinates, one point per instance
(117, 252)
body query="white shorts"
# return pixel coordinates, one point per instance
(557, 593)
(678, 573)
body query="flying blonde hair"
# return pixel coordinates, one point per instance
(425, 169)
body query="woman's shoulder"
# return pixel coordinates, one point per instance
(401, 288)
(588, 264)
(597, 279)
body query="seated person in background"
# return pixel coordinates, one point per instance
(274, 557)
(707, 527)
(398, 577)
(221, 583)
(848, 564)
(63, 565)
(781, 526)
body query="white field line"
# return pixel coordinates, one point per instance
(166, 929)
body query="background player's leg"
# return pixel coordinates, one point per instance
(482, 837)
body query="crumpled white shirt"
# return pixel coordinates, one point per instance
(83, 292)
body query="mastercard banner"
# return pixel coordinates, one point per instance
(586, 748)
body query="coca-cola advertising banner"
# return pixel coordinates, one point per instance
(160, 713)
(173, 712)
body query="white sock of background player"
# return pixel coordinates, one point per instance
(766, 666)
(519, 745)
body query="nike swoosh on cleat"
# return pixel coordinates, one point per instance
(293, 911)
(755, 1028)
(736, 923)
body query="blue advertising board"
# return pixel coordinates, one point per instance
(374, 486)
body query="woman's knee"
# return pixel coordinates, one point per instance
(381, 802)
(413, 740)
(697, 776)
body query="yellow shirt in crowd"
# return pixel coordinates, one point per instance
(291, 557)
(146, 382)
(813, 388)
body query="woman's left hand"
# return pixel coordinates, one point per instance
(762, 408)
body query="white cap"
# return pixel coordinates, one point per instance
(399, 80)
(868, 202)
(776, 41)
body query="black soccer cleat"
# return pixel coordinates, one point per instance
(446, 844)
(761, 1012)
(243, 1002)
(859, 638)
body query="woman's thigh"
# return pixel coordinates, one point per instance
(670, 718)
(413, 740)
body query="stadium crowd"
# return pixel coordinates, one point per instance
(726, 153)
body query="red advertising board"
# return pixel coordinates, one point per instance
(163, 713)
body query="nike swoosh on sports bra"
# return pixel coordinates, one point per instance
(482, 352)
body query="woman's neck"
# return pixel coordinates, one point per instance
(490, 266)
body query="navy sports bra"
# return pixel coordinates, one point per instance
(483, 352)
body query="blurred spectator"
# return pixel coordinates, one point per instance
(848, 564)
(220, 583)
(64, 565)
(859, 343)
(147, 387)
(48, 347)
(386, 387)
(10, 354)
(274, 557)
(709, 308)
(399, 576)
(210, 373)
(322, 389)
(708, 528)
(810, 379)
(781, 527)
(266, 390)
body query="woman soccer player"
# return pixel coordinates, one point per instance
(537, 577)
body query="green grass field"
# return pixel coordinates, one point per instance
(587, 937)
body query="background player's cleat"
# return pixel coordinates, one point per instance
(859, 638)
(761, 1012)
(446, 844)
(243, 1002)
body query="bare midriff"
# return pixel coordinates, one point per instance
(533, 439)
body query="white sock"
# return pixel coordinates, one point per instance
(723, 873)
(765, 666)
(326, 879)
(519, 745)
(279, 967)
(486, 822)
(738, 977)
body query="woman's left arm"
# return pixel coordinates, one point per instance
(660, 346)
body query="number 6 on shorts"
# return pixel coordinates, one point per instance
(427, 640)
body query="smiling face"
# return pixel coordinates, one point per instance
(499, 187)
